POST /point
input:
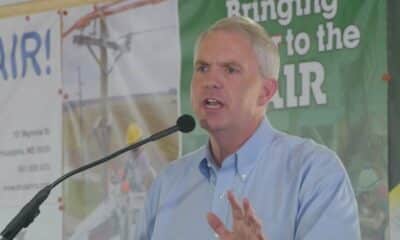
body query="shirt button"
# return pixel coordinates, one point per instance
(222, 195)
(243, 177)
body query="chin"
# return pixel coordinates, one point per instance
(210, 125)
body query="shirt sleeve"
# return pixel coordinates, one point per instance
(327, 205)
(145, 223)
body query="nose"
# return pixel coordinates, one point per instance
(212, 84)
(213, 80)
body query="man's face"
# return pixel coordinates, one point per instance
(227, 90)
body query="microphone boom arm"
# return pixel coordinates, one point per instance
(31, 210)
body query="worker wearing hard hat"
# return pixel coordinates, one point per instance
(138, 170)
(372, 206)
(135, 178)
(133, 133)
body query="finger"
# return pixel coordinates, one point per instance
(250, 214)
(247, 208)
(237, 211)
(255, 222)
(256, 226)
(251, 219)
(260, 236)
(217, 225)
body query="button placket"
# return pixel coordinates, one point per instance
(243, 177)
(224, 181)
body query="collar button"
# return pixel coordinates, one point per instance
(243, 177)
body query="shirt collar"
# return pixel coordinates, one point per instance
(245, 158)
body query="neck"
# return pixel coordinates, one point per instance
(225, 142)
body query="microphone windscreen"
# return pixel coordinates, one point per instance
(185, 123)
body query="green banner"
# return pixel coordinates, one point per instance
(394, 116)
(333, 82)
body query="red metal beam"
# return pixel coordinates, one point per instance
(107, 10)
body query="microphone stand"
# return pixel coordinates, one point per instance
(31, 210)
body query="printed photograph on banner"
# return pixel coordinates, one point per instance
(30, 117)
(120, 85)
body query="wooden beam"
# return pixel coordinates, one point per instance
(37, 6)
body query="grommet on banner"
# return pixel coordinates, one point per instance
(386, 77)
(62, 12)
(61, 206)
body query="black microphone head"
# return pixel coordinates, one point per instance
(185, 123)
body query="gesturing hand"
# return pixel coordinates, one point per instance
(246, 225)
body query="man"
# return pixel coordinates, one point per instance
(250, 181)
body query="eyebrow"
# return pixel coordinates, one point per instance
(201, 62)
(227, 63)
(230, 63)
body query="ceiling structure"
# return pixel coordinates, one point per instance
(29, 7)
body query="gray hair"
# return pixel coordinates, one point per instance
(263, 46)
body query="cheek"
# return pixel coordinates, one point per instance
(249, 99)
(194, 82)
(193, 87)
(193, 93)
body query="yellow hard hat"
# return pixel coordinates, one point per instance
(133, 133)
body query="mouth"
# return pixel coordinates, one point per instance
(212, 103)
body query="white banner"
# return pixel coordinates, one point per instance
(120, 81)
(30, 115)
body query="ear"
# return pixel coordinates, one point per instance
(269, 88)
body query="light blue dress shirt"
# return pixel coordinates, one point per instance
(299, 190)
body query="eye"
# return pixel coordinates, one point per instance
(201, 68)
(231, 69)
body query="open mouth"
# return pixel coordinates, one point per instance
(212, 103)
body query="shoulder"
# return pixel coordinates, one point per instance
(183, 164)
(304, 153)
(179, 168)
(170, 176)
(306, 161)
(321, 188)
(302, 147)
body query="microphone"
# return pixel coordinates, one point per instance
(30, 211)
(185, 123)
